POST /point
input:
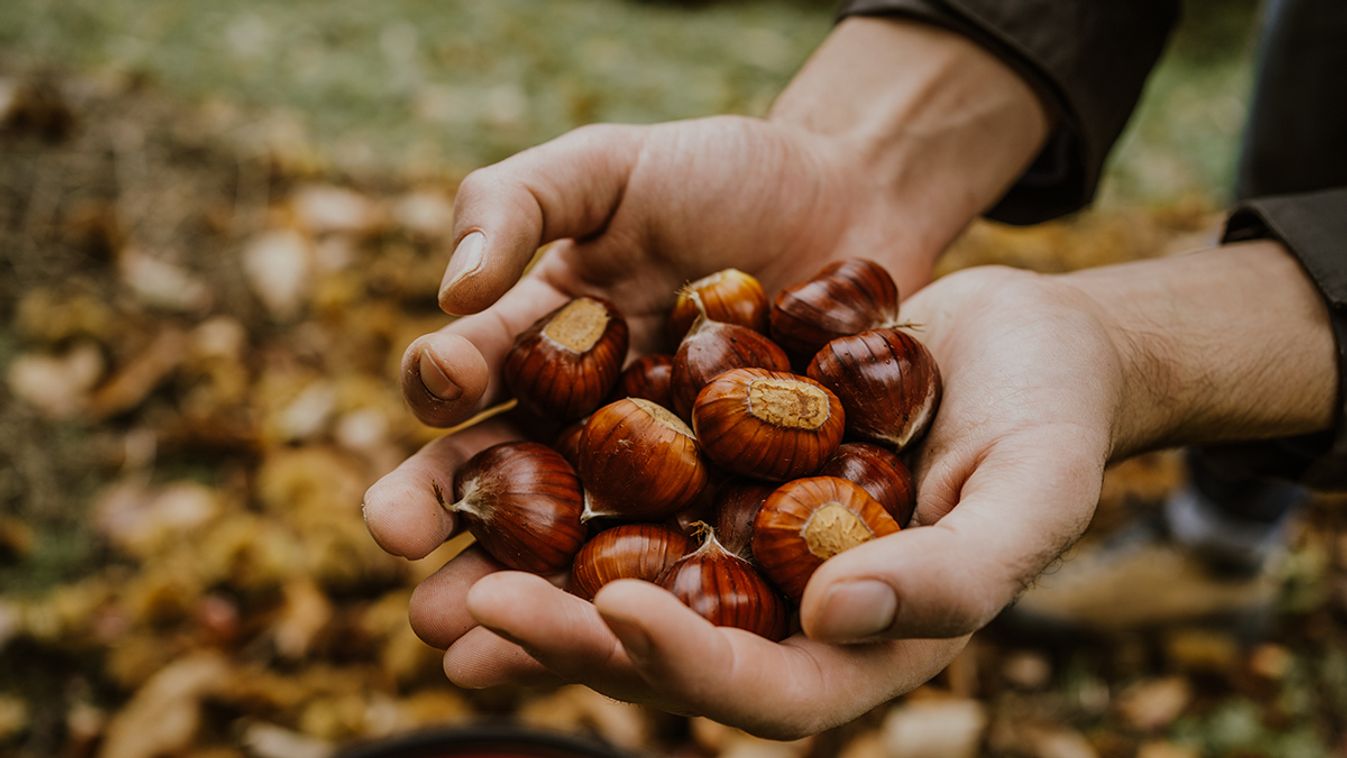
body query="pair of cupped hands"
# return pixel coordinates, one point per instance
(1007, 477)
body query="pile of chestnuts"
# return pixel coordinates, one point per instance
(716, 472)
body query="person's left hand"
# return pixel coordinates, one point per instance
(1008, 477)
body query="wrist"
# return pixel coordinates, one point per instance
(929, 119)
(1228, 344)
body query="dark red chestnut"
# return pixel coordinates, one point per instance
(737, 504)
(726, 590)
(638, 461)
(564, 365)
(807, 521)
(878, 471)
(887, 381)
(568, 442)
(729, 296)
(846, 297)
(712, 348)
(522, 502)
(649, 377)
(629, 551)
(766, 424)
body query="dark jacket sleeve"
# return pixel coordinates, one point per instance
(1087, 58)
(1313, 226)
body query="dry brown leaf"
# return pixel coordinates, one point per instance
(1026, 670)
(574, 708)
(164, 715)
(305, 613)
(279, 268)
(265, 740)
(140, 375)
(1154, 704)
(56, 385)
(935, 728)
(161, 284)
(327, 208)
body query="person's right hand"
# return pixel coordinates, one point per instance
(639, 210)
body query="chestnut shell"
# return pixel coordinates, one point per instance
(766, 424)
(880, 472)
(649, 377)
(845, 297)
(711, 349)
(726, 590)
(629, 551)
(886, 379)
(806, 522)
(730, 296)
(565, 364)
(737, 504)
(638, 461)
(522, 502)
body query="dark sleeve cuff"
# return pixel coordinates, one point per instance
(1313, 227)
(1088, 59)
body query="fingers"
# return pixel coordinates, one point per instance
(568, 187)
(481, 659)
(1026, 501)
(449, 375)
(403, 510)
(438, 609)
(781, 691)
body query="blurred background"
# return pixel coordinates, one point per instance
(220, 224)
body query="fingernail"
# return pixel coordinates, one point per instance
(856, 610)
(633, 638)
(465, 261)
(435, 380)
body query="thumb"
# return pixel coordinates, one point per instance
(1022, 506)
(568, 187)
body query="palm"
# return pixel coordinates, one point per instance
(1007, 478)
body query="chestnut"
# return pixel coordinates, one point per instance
(726, 590)
(712, 348)
(846, 297)
(522, 502)
(629, 551)
(638, 462)
(878, 471)
(767, 424)
(887, 381)
(568, 442)
(649, 377)
(806, 522)
(730, 296)
(737, 504)
(566, 363)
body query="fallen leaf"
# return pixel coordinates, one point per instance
(165, 714)
(935, 728)
(1154, 704)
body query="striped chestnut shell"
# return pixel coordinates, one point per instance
(887, 381)
(638, 462)
(806, 522)
(729, 296)
(846, 297)
(649, 377)
(565, 364)
(737, 504)
(726, 590)
(628, 551)
(711, 348)
(522, 502)
(766, 424)
(880, 472)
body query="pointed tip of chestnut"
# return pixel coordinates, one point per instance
(892, 400)
(567, 362)
(845, 297)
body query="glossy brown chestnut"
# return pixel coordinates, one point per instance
(638, 461)
(766, 424)
(737, 504)
(846, 297)
(730, 296)
(568, 443)
(565, 364)
(649, 377)
(712, 348)
(806, 522)
(726, 590)
(887, 381)
(629, 551)
(878, 471)
(522, 502)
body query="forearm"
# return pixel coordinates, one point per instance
(1223, 345)
(940, 125)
